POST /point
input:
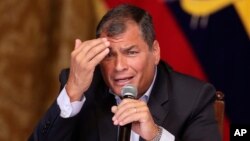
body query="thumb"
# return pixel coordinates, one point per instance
(77, 43)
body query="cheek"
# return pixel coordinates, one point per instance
(139, 64)
(144, 61)
(145, 67)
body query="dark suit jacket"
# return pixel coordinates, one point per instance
(180, 104)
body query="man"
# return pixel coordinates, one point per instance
(169, 106)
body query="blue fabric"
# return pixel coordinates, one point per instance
(223, 49)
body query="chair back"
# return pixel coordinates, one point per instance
(219, 107)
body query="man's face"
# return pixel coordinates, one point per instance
(130, 60)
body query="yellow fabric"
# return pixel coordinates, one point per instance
(204, 7)
(100, 7)
(243, 9)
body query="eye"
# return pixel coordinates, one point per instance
(132, 52)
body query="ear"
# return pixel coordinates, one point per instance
(156, 51)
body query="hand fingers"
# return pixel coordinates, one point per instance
(125, 105)
(131, 111)
(96, 53)
(140, 117)
(90, 53)
(139, 114)
(77, 43)
(85, 47)
(114, 109)
(91, 45)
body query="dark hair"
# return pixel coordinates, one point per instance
(113, 22)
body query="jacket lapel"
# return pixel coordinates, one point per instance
(107, 131)
(158, 101)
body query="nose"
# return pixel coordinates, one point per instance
(121, 63)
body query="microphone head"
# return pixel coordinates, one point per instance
(129, 91)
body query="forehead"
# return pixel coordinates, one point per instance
(126, 40)
(130, 37)
(115, 29)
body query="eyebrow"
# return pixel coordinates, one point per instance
(124, 48)
(128, 48)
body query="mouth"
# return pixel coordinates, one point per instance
(123, 80)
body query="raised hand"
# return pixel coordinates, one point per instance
(84, 59)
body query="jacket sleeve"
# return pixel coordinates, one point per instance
(52, 127)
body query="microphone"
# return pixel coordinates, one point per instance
(128, 91)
